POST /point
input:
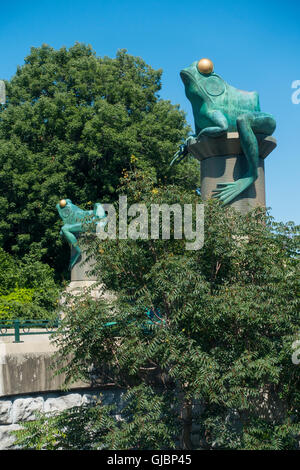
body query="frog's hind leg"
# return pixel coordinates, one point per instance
(67, 230)
(247, 125)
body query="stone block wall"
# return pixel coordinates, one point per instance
(15, 409)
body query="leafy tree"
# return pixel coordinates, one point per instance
(218, 352)
(27, 288)
(8, 274)
(70, 126)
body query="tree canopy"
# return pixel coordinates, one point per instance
(27, 288)
(71, 123)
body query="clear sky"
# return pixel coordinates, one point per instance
(254, 46)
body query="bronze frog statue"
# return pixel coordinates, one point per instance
(76, 221)
(219, 108)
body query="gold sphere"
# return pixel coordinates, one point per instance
(62, 203)
(205, 66)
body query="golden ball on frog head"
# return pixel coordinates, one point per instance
(205, 66)
(62, 203)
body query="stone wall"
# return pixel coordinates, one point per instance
(28, 384)
(29, 367)
(15, 409)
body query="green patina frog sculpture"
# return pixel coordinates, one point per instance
(219, 108)
(76, 221)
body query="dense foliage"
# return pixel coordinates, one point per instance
(27, 288)
(71, 123)
(220, 357)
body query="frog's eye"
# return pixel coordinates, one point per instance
(205, 66)
(62, 203)
(214, 85)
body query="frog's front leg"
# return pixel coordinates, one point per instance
(220, 125)
(68, 231)
(247, 125)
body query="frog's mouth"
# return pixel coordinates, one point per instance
(187, 78)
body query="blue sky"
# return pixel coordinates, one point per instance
(254, 46)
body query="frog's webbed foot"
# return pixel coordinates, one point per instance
(226, 192)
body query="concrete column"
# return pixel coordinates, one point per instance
(82, 281)
(222, 160)
(79, 272)
(80, 277)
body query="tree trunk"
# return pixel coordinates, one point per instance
(186, 416)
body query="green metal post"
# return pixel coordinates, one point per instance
(17, 331)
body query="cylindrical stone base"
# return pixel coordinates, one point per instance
(222, 161)
(82, 282)
(80, 271)
(81, 279)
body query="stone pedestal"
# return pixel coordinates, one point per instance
(82, 280)
(80, 272)
(222, 160)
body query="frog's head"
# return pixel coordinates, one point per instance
(65, 208)
(201, 81)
